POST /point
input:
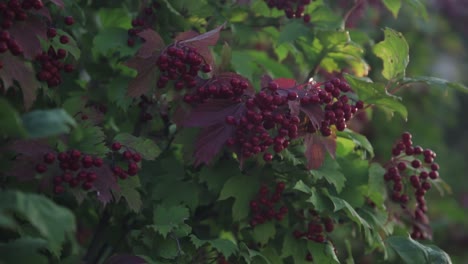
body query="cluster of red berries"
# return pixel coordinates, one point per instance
(316, 227)
(336, 105)
(144, 105)
(181, 64)
(263, 208)
(15, 10)
(410, 174)
(50, 66)
(132, 159)
(144, 20)
(76, 167)
(292, 8)
(267, 110)
(52, 62)
(8, 43)
(219, 87)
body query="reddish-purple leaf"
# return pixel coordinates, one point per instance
(42, 12)
(153, 44)
(213, 112)
(206, 39)
(105, 184)
(27, 34)
(125, 259)
(285, 83)
(15, 69)
(58, 3)
(316, 148)
(29, 154)
(146, 77)
(265, 80)
(314, 112)
(186, 35)
(210, 141)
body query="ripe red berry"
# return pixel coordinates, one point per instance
(58, 189)
(401, 166)
(306, 18)
(416, 163)
(49, 158)
(136, 157)
(359, 104)
(116, 146)
(68, 68)
(267, 157)
(75, 154)
(127, 155)
(41, 168)
(98, 162)
(64, 39)
(292, 96)
(51, 32)
(406, 136)
(69, 20)
(433, 175)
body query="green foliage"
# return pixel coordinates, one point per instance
(171, 210)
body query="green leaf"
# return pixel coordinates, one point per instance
(215, 176)
(90, 139)
(112, 40)
(114, 17)
(292, 31)
(264, 232)
(146, 147)
(331, 172)
(295, 248)
(37, 210)
(166, 219)
(419, 8)
(376, 185)
(394, 52)
(242, 188)
(301, 186)
(322, 253)
(10, 120)
(319, 200)
(45, 123)
(129, 191)
(437, 83)
(392, 104)
(412, 251)
(359, 139)
(117, 92)
(23, 250)
(251, 256)
(174, 192)
(71, 47)
(224, 246)
(341, 204)
(393, 6)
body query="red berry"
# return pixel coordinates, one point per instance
(416, 163)
(136, 157)
(359, 104)
(75, 154)
(49, 158)
(98, 162)
(435, 167)
(68, 68)
(58, 189)
(116, 146)
(401, 166)
(87, 186)
(41, 168)
(64, 39)
(69, 20)
(127, 155)
(306, 18)
(292, 96)
(406, 136)
(433, 175)
(51, 32)
(267, 157)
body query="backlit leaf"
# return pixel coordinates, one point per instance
(146, 147)
(394, 52)
(45, 123)
(168, 218)
(242, 188)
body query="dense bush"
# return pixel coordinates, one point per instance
(214, 132)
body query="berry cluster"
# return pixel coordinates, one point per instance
(292, 8)
(219, 87)
(263, 208)
(336, 105)
(15, 10)
(315, 228)
(132, 159)
(76, 169)
(267, 110)
(51, 64)
(8, 43)
(412, 175)
(181, 64)
(144, 105)
(142, 22)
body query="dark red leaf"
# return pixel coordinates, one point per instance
(29, 154)
(316, 148)
(58, 3)
(153, 44)
(105, 184)
(15, 69)
(27, 34)
(265, 80)
(285, 83)
(213, 112)
(206, 39)
(146, 77)
(210, 141)
(186, 35)
(125, 259)
(314, 112)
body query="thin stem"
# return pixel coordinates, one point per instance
(92, 254)
(350, 11)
